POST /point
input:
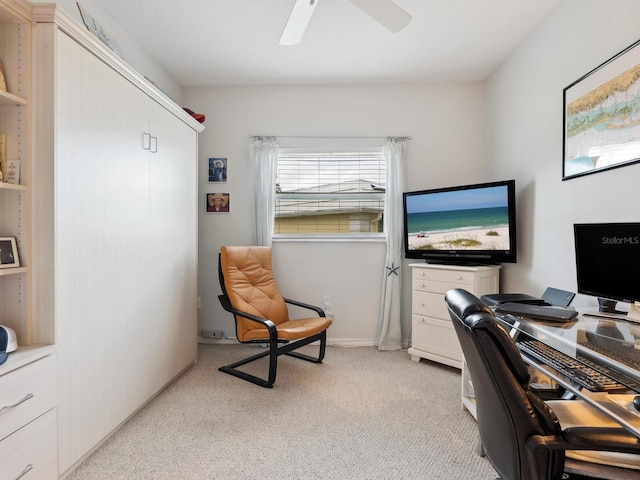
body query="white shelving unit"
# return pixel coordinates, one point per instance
(28, 379)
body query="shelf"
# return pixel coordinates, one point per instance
(469, 403)
(12, 186)
(9, 99)
(13, 271)
(25, 355)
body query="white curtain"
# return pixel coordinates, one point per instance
(264, 158)
(389, 325)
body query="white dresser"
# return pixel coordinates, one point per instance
(432, 333)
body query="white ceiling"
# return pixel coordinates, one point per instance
(232, 42)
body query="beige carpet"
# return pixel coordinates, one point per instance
(362, 414)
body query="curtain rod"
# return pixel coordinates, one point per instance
(328, 136)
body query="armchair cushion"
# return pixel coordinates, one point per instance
(251, 287)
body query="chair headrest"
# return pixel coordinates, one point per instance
(469, 310)
(463, 303)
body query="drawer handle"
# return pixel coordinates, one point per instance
(8, 407)
(26, 470)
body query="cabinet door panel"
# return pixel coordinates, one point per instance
(173, 191)
(101, 190)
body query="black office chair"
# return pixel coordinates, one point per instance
(520, 434)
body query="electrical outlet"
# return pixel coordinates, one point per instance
(326, 303)
(211, 333)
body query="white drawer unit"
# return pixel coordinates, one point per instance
(31, 452)
(432, 333)
(26, 393)
(28, 421)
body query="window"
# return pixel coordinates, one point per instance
(330, 193)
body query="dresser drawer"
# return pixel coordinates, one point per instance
(430, 305)
(421, 285)
(32, 450)
(27, 393)
(456, 277)
(437, 338)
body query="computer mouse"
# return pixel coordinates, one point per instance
(636, 402)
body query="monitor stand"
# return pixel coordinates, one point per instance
(607, 310)
(609, 306)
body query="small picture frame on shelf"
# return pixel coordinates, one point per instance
(13, 172)
(9, 253)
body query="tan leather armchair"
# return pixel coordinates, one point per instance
(250, 292)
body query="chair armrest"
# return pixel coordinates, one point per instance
(602, 439)
(226, 304)
(609, 439)
(318, 310)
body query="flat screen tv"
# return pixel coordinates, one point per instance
(607, 255)
(465, 224)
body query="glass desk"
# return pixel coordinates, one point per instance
(610, 345)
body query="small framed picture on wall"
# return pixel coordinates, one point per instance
(217, 170)
(217, 202)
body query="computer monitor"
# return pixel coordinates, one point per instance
(607, 259)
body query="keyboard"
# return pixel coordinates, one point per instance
(584, 375)
(541, 312)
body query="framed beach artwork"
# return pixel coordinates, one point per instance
(602, 117)
(217, 170)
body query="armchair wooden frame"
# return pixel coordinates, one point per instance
(276, 345)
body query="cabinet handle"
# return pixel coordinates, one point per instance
(459, 277)
(26, 470)
(8, 407)
(146, 141)
(154, 145)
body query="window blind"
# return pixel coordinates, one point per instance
(330, 193)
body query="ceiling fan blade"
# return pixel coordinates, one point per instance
(297, 22)
(385, 12)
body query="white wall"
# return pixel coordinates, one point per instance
(128, 48)
(445, 122)
(524, 140)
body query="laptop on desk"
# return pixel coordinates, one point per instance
(551, 296)
(540, 312)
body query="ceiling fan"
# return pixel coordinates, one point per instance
(385, 12)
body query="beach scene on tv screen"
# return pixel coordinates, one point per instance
(475, 219)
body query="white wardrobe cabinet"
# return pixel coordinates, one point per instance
(116, 176)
